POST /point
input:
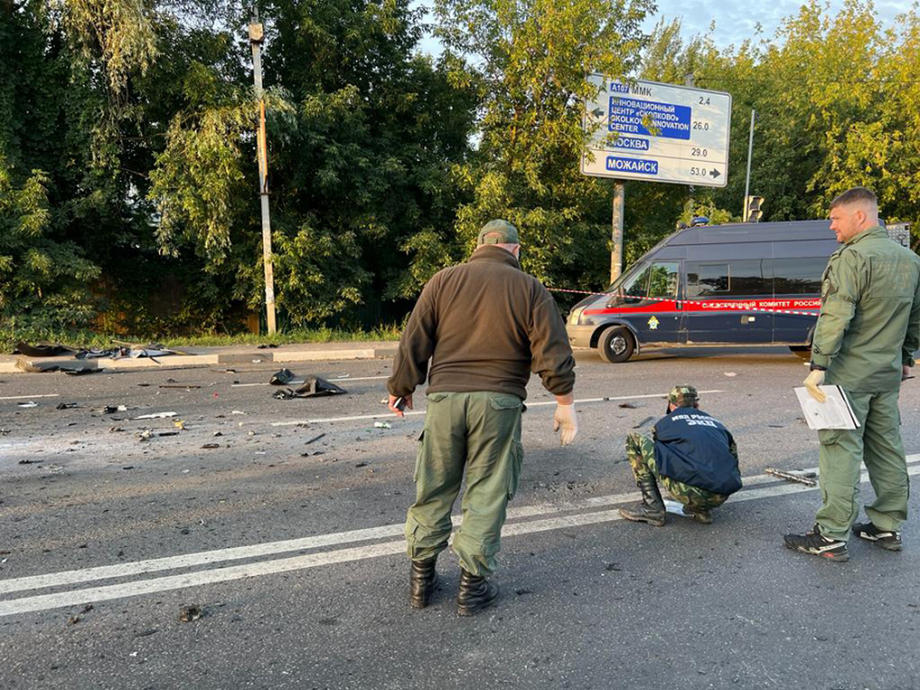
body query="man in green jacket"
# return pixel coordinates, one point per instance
(484, 325)
(864, 341)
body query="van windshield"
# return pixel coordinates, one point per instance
(655, 280)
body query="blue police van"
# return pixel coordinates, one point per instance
(738, 284)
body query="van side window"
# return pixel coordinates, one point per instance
(706, 279)
(750, 277)
(660, 279)
(798, 276)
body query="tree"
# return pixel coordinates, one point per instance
(529, 60)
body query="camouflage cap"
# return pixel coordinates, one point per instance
(497, 232)
(683, 396)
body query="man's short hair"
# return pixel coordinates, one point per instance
(683, 396)
(497, 232)
(853, 195)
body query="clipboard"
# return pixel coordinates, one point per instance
(833, 413)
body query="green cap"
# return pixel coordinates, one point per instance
(683, 396)
(497, 232)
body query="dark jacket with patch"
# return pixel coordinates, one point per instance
(696, 449)
(485, 325)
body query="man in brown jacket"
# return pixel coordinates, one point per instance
(485, 325)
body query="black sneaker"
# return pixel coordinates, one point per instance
(888, 540)
(818, 545)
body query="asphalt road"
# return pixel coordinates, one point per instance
(280, 522)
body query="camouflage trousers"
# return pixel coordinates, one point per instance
(640, 451)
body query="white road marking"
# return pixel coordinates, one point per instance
(514, 527)
(295, 382)
(29, 397)
(319, 420)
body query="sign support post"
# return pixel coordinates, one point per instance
(616, 235)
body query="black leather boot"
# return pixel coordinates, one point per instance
(423, 579)
(651, 510)
(476, 593)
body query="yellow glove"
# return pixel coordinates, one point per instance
(564, 419)
(812, 381)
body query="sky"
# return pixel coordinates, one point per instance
(735, 20)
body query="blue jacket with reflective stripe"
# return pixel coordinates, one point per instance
(696, 449)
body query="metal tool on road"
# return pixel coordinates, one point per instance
(807, 478)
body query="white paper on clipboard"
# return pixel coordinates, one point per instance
(833, 413)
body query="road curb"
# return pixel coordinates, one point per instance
(23, 364)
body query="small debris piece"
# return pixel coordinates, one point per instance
(282, 377)
(112, 409)
(643, 422)
(237, 412)
(156, 415)
(361, 464)
(186, 386)
(211, 445)
(190, 613)
(28, 404)
(628, 405)
(382, 425)
(28, 462)
(179, 424)
(806, 478)
(730, 373)
(66, 406)
(315, 438)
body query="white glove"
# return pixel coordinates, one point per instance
(812, 381)
(564, 419)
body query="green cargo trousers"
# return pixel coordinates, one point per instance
(640, 451)
(479, 433)
(877, 442)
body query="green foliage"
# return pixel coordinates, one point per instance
(531, 59)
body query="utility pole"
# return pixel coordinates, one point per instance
(616, 222)
(256, 37)
(747, 178)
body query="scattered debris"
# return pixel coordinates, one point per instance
(179, 424)
(264, 346)
(382, 425)
(113, 429)
(29, 462)
(145, 434)
(190, 613)
(643, 422)
(211, 446)
(28, 404)
(218, 433)
(807, 478)
(186, 386)
(146, 633)
(313, 387)
(112, 409)
(315, 438)
(156, 415)
(628, 405)
(237, 412)
(282, 377)
(361, 464)
(730, 373)
(41, 350)
(66, 406)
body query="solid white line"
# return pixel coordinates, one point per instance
(313, 560)
(29, 397)
(295, 382)
(41, 602)
(319, 420)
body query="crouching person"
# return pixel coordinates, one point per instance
(692, 454)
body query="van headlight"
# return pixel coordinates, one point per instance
(575, 316)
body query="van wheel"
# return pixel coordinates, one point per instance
(616, 345)
(802, 351)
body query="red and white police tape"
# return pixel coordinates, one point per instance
(760, 305)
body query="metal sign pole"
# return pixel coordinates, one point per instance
(616, 235)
